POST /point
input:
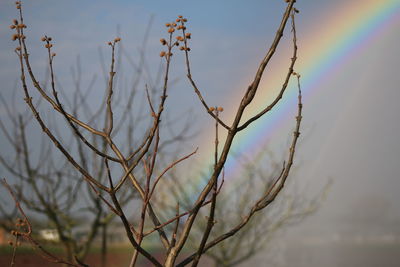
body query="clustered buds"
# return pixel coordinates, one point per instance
(18, 4)
(46, 39)
(116, 40)
(296, 74)
(181, 40)
(219, 109)
(19, 225)
(18, 28)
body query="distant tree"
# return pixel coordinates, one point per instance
(291, 208)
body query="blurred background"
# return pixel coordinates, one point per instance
(348, 60)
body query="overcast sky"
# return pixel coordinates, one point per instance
(351, 121)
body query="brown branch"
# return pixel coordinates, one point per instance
(210, 221)
(189, 75)
(282, 91)
(62, 110)
(169, 168)
(178, 216)
(28, 100)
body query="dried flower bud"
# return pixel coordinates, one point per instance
(18, 48)
(54, 54)
(211, 109)
(23, 37)
(181, 48)
(43, 39)
(177, 43)
(178, 20)
(163, 41)
(117, 39)
(296, 10)
(184, 20)
(171, 30)
(15, 22)
(220, 109)
(170, 54)
(180, 17)
(18, 2)
(174, 24)
(179, 27)
(10, 243)
(179, 38)
(15, 37)
(109, 43)
(162, 54)
(167, 24)
(188, 35)
(18, 6)
(49, 39)
(12, 27)
(187, 48)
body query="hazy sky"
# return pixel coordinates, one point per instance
(351, 119)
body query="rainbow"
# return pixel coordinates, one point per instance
(327, 45)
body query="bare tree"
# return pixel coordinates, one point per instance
(137, 166)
